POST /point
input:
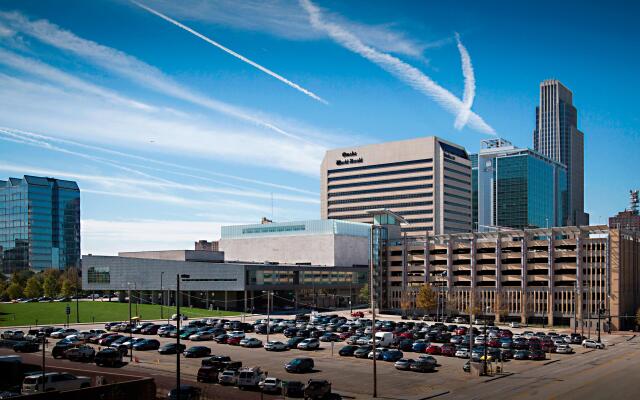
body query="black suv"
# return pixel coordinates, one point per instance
(108, 356)
(300, 365)
(317, 389)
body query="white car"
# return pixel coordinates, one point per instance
(309, 344)
(379, 352)
(479, 340)
(462, 353)
(275, 346)
(13, 335)
(239, 334)
(515, 324)
(60, 381)
(459, 320)
(270, 385)
(564, 349)
(63, 333)
(88, 334)
(228, 377)
(593, 344)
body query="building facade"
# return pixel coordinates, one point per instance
(214, 283)
(39, 224)
(555, 276)
(326, 242)
(427, 181)
(557, 137)
(517, 188)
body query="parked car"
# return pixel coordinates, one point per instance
(63, 332)
(234, 340)
(187, 392)
(348, 350)
(270, 385)
(404, 364)
(463, 353)
(59, 349)
(521, 355)
(146, 344)
(170, 348)
(537, 355)
(208, 373)
(197, 351)
(250, 377)
(59, 381)
(183, 317)
(422, 365)
(433, 350)
(80, 353)
(592, 344)
(251, 342)
(300, 365)
(317, 389)
(293, 389)
(150, 329)
(12, 335)
(309, 344)
(564, 349)
(228, 377)
(109, 356)
(275, 346)
(363, 351)
(26, 347)
(392, 355)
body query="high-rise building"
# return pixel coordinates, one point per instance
(557, 137)
(39, 224)
(427, 181)
(517, 188)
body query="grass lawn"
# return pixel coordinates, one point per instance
(25, 314)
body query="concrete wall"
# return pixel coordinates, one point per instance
(326, 250)
(176, 255)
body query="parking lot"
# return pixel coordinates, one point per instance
(350, 376)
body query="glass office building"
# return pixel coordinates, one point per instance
(517, 188)
(39, 224)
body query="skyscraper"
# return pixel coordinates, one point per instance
(517, 188)
(557, 137)
(427, 181)
(39, 224)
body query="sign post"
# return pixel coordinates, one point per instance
(67, 311)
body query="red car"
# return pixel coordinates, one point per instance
(234, 340)
(448, 350)
(493, 343)
(461, 331)
(505, 333)
(345, 335)
(433, 350)
(101, 336)
(357, 314)
(406, 335)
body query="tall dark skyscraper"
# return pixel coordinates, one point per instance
(557, 137)
(39, 224)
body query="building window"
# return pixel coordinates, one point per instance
(99, 275)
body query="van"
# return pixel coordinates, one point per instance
(250, 377)
(59, 381)
(383, 339)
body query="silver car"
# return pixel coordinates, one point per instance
(228, 377)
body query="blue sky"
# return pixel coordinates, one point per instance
(170, 137)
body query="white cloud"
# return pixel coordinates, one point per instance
(469, 85)
(286, 19)
(137, 71)
(33, 106)
(398, 68)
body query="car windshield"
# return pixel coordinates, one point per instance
(30, 380)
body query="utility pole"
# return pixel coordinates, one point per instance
(373, 313)
(130, 325)
(268, 314)
(44, 341)
(77, 300)
(484, 362)
(599, 314)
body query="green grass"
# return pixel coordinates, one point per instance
(26, 314)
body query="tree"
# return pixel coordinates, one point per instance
(14, 291)
(405, 303)
(51, 284)
(68, 288)
(21, 277)
(363, 295)
(33, 287)
(427, 298)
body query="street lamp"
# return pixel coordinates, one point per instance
(178, 278)
(130, 322)
(484, 362)
(269, 293)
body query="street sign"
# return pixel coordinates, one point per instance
(67, 310)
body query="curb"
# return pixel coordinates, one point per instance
(499, 377)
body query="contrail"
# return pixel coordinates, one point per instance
(233, 53)
(398, 68)
(469, 85)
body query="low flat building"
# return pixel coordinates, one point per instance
(330, 243)
(213, 283)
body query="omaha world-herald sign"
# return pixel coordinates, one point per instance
(350, 157)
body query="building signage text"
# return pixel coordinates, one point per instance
(349, 158)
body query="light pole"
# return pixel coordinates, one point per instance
(268, 313)
(600, 312)
(178, 277)
(575, 308)
(161, 295)
(44, 341)
(373, 314)
(130, 325)
(77, 300)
